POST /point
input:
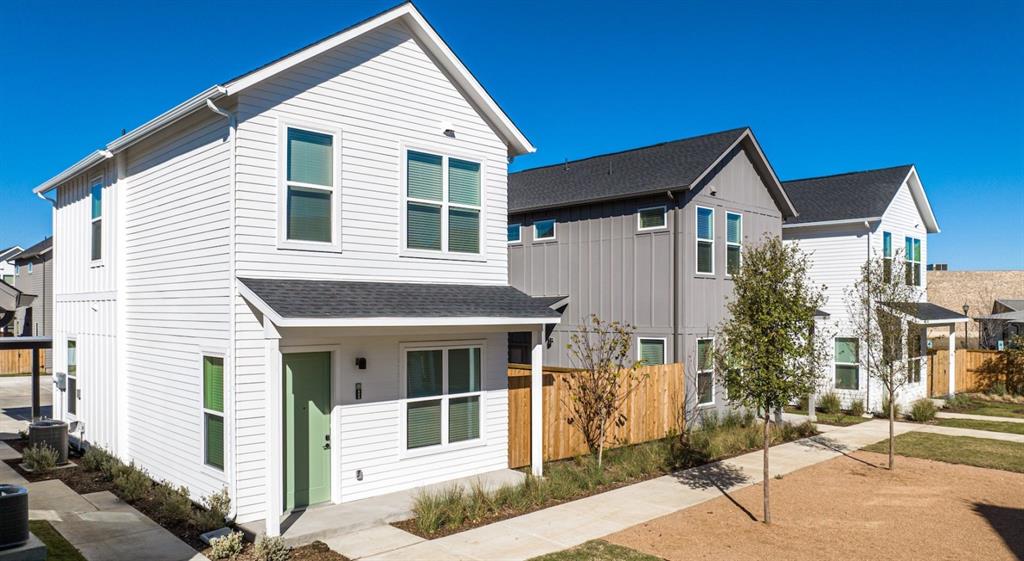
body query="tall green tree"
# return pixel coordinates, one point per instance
(768, 350)
(880, 304)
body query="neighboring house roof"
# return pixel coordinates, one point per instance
(854, 196)
(36, 250)
(406, 13)
(1015, 305)
(338, 301)
(668, 166)
(9, 253)
(1016, 316)
(11, 298)
(928, 313)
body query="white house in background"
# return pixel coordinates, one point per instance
(845, 219)
(294, 284)
(7, 263)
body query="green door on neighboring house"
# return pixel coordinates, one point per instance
(307, 429)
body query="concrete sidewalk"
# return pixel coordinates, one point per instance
(955, 431)
(570, 524)
(948, 415)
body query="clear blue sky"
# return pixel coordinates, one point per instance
(828, 87)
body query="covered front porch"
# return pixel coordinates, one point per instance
(927, 316)
(373, 390)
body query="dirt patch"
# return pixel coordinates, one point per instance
(847, 508)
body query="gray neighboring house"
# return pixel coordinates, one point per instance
(644, 236)
(33, 274)
(1004, 323)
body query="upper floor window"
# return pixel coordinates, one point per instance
(514, 233)
(544, 229)
(733, 242)
(310, 190)
(96, 194)
(442, 203)
(651, 218)
(29, 267)
(705, 240)
(887, 256)
(913, 261)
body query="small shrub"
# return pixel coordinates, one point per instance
(41, 458)
(830, 403)
(219, 502)
(173, 503)
(132, 483)
(271, 549)
(857, 408)
(960, 401)
(95, 458)
(226, 547)
(22, 434)
(922, 410)
(885, 408)
(998, 388)
(111, 468)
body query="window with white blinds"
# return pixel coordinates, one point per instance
(443, 204)
(705, 240)
(310, 198)
(443, 395)
(733, 242)
(651, 351)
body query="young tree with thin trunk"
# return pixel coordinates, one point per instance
(768, 350)
(880, 304)
(606, 375)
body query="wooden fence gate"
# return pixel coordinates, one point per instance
(976, 369)
(653, 411)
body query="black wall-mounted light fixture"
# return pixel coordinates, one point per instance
(361, 363)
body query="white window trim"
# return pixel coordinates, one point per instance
(887, 257)
(203, 411)
(29, 267)
(664, 217)
(836, 363)
(664, 348)
(909, 261)
(67, 394)
(732, 244)
(98, 180)
(554, 230)
(282, 187)
(519, 228)
(445, 397)
(698, 239)
(446, 154)
(698, 371)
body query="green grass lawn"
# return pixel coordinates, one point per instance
(12, 374)
(991, 408)
(597, 550)
(997, 426)
(837, 419)
(58, 548)
(980, 452)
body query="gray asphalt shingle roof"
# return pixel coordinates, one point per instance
(859, 194)
(651, 169)
(35, 250)
(1015, 305)
(294, 298)
(926, 311)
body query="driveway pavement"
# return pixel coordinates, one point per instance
(16, 402)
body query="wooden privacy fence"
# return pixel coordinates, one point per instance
(976, 370)
(653, 411)
(15, 361)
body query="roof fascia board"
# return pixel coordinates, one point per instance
(436, 46)
(593, 200)
(924, 208)
(843, 222)
(776, 182)
(80, 166)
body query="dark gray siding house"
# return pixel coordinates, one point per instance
(617, 236)
(34, 275)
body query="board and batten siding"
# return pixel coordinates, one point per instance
(176, 295)
(383, 92)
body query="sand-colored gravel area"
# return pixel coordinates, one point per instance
(847, 509)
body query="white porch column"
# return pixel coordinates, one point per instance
(537, 403)
(952, 359)
(274, 501)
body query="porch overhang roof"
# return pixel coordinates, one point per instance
(11, 298)
(926, 313)
(329, 303)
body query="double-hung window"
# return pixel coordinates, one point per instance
(544, 230)
(733, 242)
(651, 351)
(887, 257)
(515, 232)
(652, 218)
(310, 189)
(913, 355)
(443, 204)
(913, 261)
(213, 411)
(705, 371)
(30, 267)
(442, 395)
(96, 194)
(72, 387)
(705, 240)
(847, 361)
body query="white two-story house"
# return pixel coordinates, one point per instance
(294, 284)
(844, 220)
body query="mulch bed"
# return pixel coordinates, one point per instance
(316, 551)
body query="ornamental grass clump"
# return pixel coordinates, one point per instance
(922, 411)
(830, 404)
(857, 408)
(41, 458)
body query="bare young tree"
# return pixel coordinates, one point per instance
(768, 351)
(880, 304)
(606, 375)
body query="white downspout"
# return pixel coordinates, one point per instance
(867, 397)
(231, 466)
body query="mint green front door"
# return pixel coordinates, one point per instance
(307, 429)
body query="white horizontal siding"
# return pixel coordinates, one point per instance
(74, 270)
(176, 295)
(380, 90)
